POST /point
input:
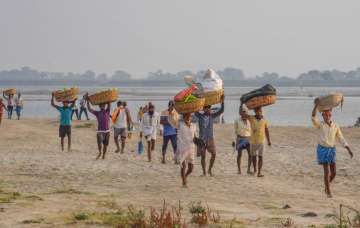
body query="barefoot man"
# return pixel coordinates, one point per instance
(259, 130)
(149, 124)
(329, 132)
(103, 131)
(243, 132)
(206, 134)
(65, 120)
(2, 107)
(121, 120)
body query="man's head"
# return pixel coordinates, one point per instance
(171, 105)
(124, 103)
(187, 118)
(207, 109)
(243, 112)
(258, 112)
(327, 116)
(65, 104)
(119, 103)
(102, 107)
(151, 109)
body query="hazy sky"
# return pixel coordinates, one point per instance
(285, 36)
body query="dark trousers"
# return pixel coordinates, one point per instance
(76, 112)
(83, 110)
(166, 140)
(10, 111)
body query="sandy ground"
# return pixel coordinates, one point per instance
(55, 184)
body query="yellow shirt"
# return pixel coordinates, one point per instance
(329, 134)
(242, 129)
(257, 130)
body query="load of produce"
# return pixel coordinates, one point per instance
(187, 101)
(66, 94)
(104, 97)
(11, 91)
(259, 97)
(210, 86)
(330, 101)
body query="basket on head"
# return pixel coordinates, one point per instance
(260, 101)
(66, 94)
(11, 91)
(190, 107)
(213, 97)
(330, 101)
(103, 97)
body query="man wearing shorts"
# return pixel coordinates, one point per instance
(65, 121)
(103, 131)
(150, 122)
(259, 130)
(121, 120)
(206, 134)
(242, 132)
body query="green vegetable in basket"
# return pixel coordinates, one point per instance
(190, 98)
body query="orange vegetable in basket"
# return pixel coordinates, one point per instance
(184, 93)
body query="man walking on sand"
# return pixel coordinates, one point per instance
(103, 131)
(65, 121)
(2, 107)
(167, 119)
(206, 134)
(121, 120)
(329, 132)
(242, 132)
(259, 130)
(83, 109)
(149, 124)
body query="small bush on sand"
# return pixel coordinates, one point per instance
(202, 215)
(81, 216)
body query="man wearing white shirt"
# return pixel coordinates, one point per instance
(150, 122)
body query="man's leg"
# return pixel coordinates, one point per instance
(212, 150)
(182, 173)
(77, 114)
(190, 169)
(86, 114)
(203, 159)
(116, 140)
(99, 142)
(62, 143)
(123, 143)
(149, 149)
(253, 156)
(238, 160)
(326, 180)
(332, 171)
(69, 142)
(260, 164)
(105, 143)
(249, 159)
(81, 112)
(166, 140)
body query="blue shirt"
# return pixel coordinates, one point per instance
(206, 123)
(65, 116)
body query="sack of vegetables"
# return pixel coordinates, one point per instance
(187, 101)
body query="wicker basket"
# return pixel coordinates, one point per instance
(190, 107)
(213, 97)
(104, 97)
(66, 94)
(261, 101)
(330, 101)
(11, 91)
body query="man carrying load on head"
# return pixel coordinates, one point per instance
(259, 131)
(329, 132)
(206, 134)
(65, 120)
(149, 124)
(168, 119)
(103, 131)
(10, 104)
(121, 120)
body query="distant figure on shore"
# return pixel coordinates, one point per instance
(329, 132)
(167, 119)
(121, 119)
(19, 105)
(2, 107)
(259, 131)
(65, 121)
(242, 133)
(75, 110)
(103, 131)
(83, 109)
(130, 126)
(10, 104)
(149, 124)
(206, 134)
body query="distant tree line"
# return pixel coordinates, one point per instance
(228, 74)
